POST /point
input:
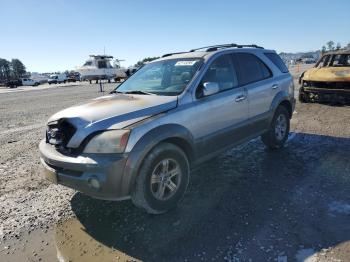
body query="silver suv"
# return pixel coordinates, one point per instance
(142, 140)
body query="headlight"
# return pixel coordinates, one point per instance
(113, 141)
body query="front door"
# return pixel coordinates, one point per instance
(219, 119)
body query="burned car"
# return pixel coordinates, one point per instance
(328, 81)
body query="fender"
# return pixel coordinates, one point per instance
(146, 144)
(281, 97)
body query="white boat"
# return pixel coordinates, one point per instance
(99, 67)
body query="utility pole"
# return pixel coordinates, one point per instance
(101, 86)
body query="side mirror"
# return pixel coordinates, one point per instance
(210, 88)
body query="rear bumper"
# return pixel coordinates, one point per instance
(82, 172)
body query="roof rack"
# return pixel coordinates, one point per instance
(173, 54)
(216, 47)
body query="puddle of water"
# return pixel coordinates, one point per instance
(74, 244)
(69, 241)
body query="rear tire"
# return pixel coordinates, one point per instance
(279, 129)
(162, 179)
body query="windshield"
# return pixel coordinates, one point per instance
(339, 60)
(168, 77)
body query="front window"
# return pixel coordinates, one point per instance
(167, 77)
(88, 63)
(102, 64)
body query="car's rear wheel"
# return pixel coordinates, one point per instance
(162, 179)
(279, 129)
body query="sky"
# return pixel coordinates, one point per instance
(58, 35)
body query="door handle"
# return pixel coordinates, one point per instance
(240, 98)
(274, 86)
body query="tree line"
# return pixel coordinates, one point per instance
(145, 60)
(331, 46)
(10, 70)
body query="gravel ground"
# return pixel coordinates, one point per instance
(247, 204)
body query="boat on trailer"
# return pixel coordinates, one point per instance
(99, 67)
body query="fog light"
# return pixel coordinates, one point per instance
(94, 183)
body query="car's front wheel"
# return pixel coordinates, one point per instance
(303, 97)
(279, 129)
(162, 179)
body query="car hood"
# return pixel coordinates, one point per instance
(114, 111)
(328, 74)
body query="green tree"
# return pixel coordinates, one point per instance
(5, 70)
(338, 46)
(145, 60)
(323, 50)
(18, 68)
(330, 45)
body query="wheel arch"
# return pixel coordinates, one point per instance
(170, 133)
(282, 99)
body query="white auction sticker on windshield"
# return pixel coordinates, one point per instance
(185, 63)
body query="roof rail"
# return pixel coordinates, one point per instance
(173, 54)
(216, 47)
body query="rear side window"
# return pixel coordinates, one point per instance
(276, 59)
(250, 68)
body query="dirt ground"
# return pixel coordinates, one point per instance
(248, 204)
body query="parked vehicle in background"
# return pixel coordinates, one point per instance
(73, 77)
(328, 80)
(14, 83)
(309, 60)
(142, 140)
(29, 82)
(57, 79)
(131, 70)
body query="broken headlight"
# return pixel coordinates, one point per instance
(113, 141)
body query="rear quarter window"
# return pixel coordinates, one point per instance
(276, 59)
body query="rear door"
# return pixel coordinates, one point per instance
(256, 78)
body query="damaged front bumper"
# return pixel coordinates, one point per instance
(97, 175)
(326, 91)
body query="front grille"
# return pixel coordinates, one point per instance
(59, 133)
(329, 85)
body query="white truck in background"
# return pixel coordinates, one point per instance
(57, 79)
(29, 82)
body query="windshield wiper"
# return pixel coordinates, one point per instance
(138, 92)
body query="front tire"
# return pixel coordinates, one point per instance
(162, 179)
(303, 97)
(279, 129)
